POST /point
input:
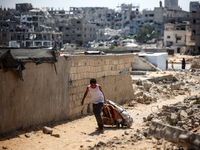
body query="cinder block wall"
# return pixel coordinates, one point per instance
(45, 95)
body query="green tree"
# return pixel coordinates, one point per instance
(146, 33)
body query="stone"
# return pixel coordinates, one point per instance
(47, 130)
(81, 146)
(176, 86)
(126, 133)
(183, 115)
(150, 117)
(101, 143)
(140, 100)
(56, 135)
(114, 145)
(180, 123)
(132, 144)
(159, 142)
(115, 138)
(173, 119)
(4, 147)
(154, 141)
(144, 119)
(185, 127)
(138, 93)
(196, 124)
(119, 143)
(89, 140)
(189, 111)
(27, 135)
(147, 85)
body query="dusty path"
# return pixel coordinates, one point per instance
(76, 133)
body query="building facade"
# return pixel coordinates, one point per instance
(196, 29)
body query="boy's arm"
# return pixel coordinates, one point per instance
(86, 92)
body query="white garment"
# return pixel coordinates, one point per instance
(97, 95)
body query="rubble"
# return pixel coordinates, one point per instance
(47, 130)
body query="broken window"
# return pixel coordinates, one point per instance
(168, 37)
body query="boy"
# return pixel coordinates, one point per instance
(97, 99)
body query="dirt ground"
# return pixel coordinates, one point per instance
(80, 133)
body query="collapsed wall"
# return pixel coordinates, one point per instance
(54, 92)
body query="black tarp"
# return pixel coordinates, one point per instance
(15, 59)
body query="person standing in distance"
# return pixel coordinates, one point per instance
(98, 99)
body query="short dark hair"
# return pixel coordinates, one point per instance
(93, 80)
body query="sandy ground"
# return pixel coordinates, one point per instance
(74, 134)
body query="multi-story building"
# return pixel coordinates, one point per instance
(172, 4)
(23, 7)
(78, 31)
(194, 5)
(178, 36)
(196, 29)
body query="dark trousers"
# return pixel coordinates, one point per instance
(97, 113)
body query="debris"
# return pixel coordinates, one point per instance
(27, 135)
(47, 130)
(56, 135)
(89, 140)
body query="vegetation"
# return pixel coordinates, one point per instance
(146, 33)
(112, 47)
(77, 48)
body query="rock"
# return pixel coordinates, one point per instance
(176, 86)
(183, 115)
(47, 130)
(138, 93)
(126, 133)
(4, 147)
(147, 85)
(114, 145)
(119, 143)
(139, 82)
(154, 141)
(180, 123)
(140, 100)
(56, 135)
(173, 119)
(189, 111)
(81, 146)
(100, 143)
(196, 124)
(159, 142)
(185, 127)
(115, 138)
(144, 119)
(89, 140)
(183, 137)
(27, 135)
(132, 144)
(150, 117)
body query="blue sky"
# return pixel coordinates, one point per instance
(149, 4)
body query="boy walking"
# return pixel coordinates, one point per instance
(97, 99)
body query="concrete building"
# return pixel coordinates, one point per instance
(172, 4)
(196, 29)
(23, 7)
(194, 5)
(78, 31)
(178, 37)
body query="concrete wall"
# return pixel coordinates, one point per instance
(45, 95)
(142, 64)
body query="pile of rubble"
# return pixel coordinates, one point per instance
(182, 115)
(148, 92)
(178, 123)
